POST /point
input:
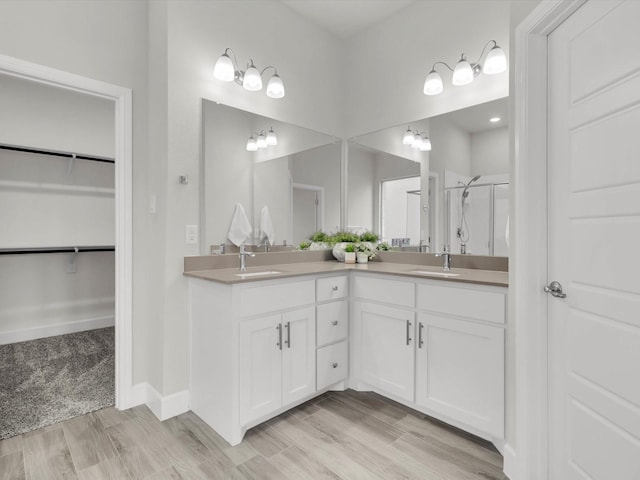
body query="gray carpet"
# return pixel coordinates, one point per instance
(45, 381)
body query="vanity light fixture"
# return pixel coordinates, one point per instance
(260, 140)
(417, 140)
(464, 72)
(227, 70)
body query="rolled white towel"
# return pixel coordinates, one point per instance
(266, 226)
(240, 227)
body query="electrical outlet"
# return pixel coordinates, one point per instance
(191, 236)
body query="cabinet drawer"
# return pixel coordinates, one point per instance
(260, 299)
(332, 364)
(332, 322)
(394, 292)
(463, 302)
(331, 288)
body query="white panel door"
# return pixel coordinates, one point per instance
(298, 354)
(260, 367)
(386, 346)
(460, 371)
(594, 234)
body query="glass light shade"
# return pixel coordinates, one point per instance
(417, 141)
(496, 61)
(407, 138)
(262, 141)
(224, 69)
(271, 138)
(275, 87)
(252, 146)
(252, 80)
(463, 73)
(425, 146)
(433, 84)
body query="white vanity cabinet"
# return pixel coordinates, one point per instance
(332, 321)
(276, 362)
(253, 351)
(434, 345)
(460, 354)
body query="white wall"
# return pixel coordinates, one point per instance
(386, 64)
(361, 189)
(272, 189)
(490, 152)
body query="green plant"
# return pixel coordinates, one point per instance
(364, 248)
(350, 248)
(304, 245)
(383, 247)
(369, 237)
(339, 237)
(319, 236)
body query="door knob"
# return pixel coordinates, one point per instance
(555, 289)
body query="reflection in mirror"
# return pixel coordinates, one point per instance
(457, 210)
(276, 176)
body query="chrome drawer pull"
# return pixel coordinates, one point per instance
(288, 342)
(335, 288)
(408, 333)
(334, 365)
(279, 328)
(334, 323)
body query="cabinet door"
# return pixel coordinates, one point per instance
(460, 371)
(298, 354)
(260, 367)
(385, 338)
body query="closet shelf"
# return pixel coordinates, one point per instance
(55, 153)
(37, 250)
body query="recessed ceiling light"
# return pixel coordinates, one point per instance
(495, 119)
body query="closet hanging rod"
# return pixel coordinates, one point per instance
(55, 153)
(23, 251)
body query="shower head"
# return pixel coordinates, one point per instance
(474, 179)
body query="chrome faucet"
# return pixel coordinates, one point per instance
(446, 256)
(424, 246)
(243, 258)
(266, 245)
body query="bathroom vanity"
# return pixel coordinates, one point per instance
(262, 344)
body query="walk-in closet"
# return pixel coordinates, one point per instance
(57, 254)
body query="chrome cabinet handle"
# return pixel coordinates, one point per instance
(555, 289)
(334, 365)
(334, 323)
(335, 288)
(408, 333)
(420, 327)
(279, 328)
(288, 342)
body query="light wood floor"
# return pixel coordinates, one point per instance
(339, 435)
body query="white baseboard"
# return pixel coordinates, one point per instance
(162, 407)
(33, 333)
(509, 465)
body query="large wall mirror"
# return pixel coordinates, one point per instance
(456, 195)
(298, 179)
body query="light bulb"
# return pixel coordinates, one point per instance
(224, 69)
(425, 146)
(271, 137)
(252, 146)
(407, 138)
(262, 141)
(252, 80)
(275, 87)
(417, 141)
(463, 73)
(433, 83)
(496, 61)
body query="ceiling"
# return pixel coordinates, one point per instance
(345, 18)
(475, 119)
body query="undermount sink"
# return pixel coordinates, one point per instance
(436, 274)
(257, 274)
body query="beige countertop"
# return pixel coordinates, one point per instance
(232, 276)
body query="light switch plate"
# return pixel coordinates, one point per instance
(191, 234)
